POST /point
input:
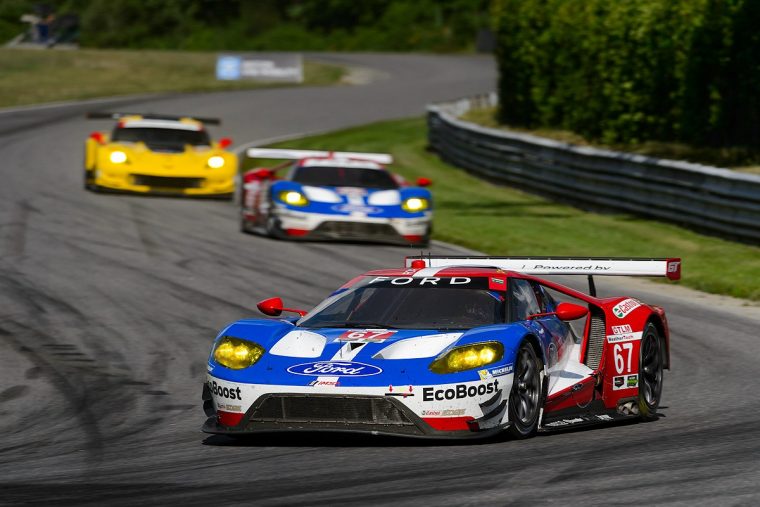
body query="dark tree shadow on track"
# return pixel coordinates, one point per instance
(335, 439)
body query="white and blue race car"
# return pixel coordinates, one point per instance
(446, 347)
(334, 195)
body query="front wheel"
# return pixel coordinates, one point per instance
(89, 181)
(526, 396)
(650, 373)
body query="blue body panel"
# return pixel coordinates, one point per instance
(273, 369)
(346, 208)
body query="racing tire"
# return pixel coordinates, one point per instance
(651, 359)
(526, 398)
(272, 227)
(244, 227)
(89, 181)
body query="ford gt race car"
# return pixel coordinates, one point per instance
(446, 347)
(334, 195)
(159, 154)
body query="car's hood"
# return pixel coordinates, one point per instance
(353, 200)
(300, 355)
(141, 155)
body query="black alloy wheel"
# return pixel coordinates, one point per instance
(651, 361)
(525, 398)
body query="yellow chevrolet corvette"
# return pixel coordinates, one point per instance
(159, 154)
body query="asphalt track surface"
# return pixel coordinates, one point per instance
(108, 305)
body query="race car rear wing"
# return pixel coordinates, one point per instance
(380, 158)
(150, 116)
(611, 266)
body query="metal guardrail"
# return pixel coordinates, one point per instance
(705, 198)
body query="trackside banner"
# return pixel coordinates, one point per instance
(268, 67)
(670, 268)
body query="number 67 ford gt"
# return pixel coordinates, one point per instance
(334, 195)
(446, 347)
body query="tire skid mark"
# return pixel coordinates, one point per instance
(15, 229)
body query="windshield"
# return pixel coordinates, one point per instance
(319, 176)
(385, 306)
(162, 137)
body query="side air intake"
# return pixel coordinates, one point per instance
(595, 340)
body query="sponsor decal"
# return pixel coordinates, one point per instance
(325, 381)
(434, 281)
(674, 266)
(356, 208)
(366, 335)
(503, 370)
(400, 392)
(566, 422)
(625, 328)
(232, 393)
(627, 337)
(229, 408)
(604, 417)
(484, 374)
(625, 307)
(458, 391)
(625, 382)
(335, 369)
(350, 191)
(443, 413)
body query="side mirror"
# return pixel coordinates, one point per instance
(98, 137)
(424, 182)
(224, 142)
(273, 307)
(571, 311)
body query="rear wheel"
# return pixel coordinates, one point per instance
(526, 396)
(651, 359)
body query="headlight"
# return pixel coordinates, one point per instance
(415, 204)
(468, 357)
(237, 354)
(215, 162)
(117, 157)
(294, 198)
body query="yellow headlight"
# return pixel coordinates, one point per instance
(415, 204)
(468, 357)
(237, 354)
(294, 198)
(117, 157)
(215, 162)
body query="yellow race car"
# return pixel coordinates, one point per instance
(159, 154)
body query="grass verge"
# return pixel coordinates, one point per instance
(502, 221)
(738, 159)
(36, 76)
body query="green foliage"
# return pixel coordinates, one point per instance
(632, 71)
(435, 25)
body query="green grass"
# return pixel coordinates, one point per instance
(502, 221)
(739, 159)
(34, 76)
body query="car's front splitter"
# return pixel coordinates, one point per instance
(463, 410)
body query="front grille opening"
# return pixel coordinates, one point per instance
(167, 181)
(355, 229)
(343, 410)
